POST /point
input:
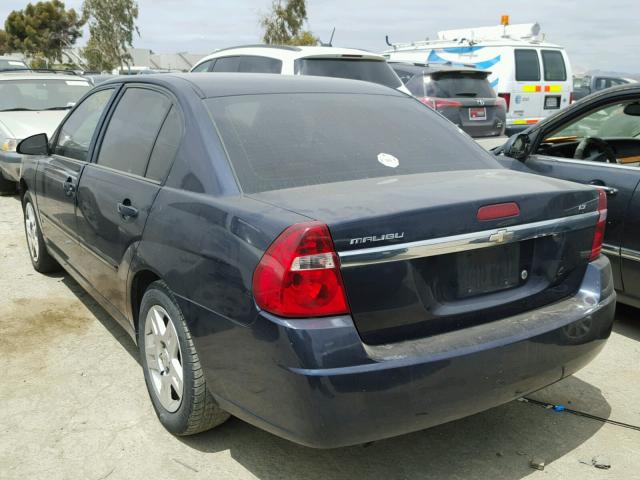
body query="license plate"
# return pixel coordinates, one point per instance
(477, 113)
(487, 270)
(551, 103)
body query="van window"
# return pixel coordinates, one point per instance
(527, 66)
(554, 70)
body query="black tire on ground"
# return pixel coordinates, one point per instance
(197, 411)
(41, 260)
(7, 187)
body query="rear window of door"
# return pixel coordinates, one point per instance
(248, 64)
(553, 63)
(376, 71)
(527, 65)
(166, 146)
(77, 131)
(133, 129)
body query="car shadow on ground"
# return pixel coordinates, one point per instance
(627, 321)
(496, 444)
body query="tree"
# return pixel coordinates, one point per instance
(283, 25)
(43, 30)
(4, 42)
(112, 24)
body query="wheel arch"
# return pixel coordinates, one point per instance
(140, 282)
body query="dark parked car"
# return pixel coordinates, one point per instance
(272, 265)
(583, 86)
(596, 141)
(462, 94)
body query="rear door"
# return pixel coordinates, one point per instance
(555, 85)
(58, 175)
(527, 100)
(117, 190)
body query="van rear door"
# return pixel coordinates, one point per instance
(527, 101)
(555, 87)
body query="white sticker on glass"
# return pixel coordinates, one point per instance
(388, 160)
(77, 83)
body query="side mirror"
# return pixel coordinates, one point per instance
(517, 146)
(34, 145)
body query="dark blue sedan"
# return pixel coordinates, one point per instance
(326, 259)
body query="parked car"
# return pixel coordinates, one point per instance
(586, 85)
(531, 74)
(596, 141)
(290, 60)
(273, 265)
(31, 103)
(10, 63)
(462, 94)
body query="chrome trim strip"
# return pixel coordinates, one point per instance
(610, 249)
(466, 241)
(630, 254)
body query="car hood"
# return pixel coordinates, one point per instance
(24, 124)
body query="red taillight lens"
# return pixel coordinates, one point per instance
(439, 103)
(570, 98)
(507, 99)
(498, 210)
(598, 235)
(299, 274)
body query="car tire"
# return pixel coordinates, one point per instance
(7, 187)
(184, 406)
(41, 259)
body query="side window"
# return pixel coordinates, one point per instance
(226, 64)
(132, 130)
(253, 64)
(77, 131)
(166, 147)
(553, 63)
(527, 66)
(601, 83)
(248, 64)
(204, 66)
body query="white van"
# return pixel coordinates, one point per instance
(533, 76)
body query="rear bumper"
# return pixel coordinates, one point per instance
(314, 382)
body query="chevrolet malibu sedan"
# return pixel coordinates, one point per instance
(323, 258)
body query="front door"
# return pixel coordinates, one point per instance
(58, 174)
(606, 142)
(117, 190)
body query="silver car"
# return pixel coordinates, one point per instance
(31, 103)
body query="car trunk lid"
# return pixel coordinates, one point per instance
(416, 261)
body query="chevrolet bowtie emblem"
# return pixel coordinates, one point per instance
(501, 236)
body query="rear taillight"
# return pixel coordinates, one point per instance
(507, 99)
(439, 103)
(299, 274)
(570, 98)
(598, 235)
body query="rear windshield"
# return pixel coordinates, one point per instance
(554, 70)
(458, 84)
(527, 66)
(41, 94)
(376, 71)
(277, 141)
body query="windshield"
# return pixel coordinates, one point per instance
(40, 94)
(458, 84)
(376, 71)
(280, 141)
(7, 64)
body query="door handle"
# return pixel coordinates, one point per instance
(610, 191)
(69, 187)
(126, 211)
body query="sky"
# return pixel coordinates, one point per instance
(597, 35)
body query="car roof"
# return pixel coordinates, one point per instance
(288, 52)
(208, 85)
(30, 75)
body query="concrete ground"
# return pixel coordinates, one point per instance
(73, 405)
